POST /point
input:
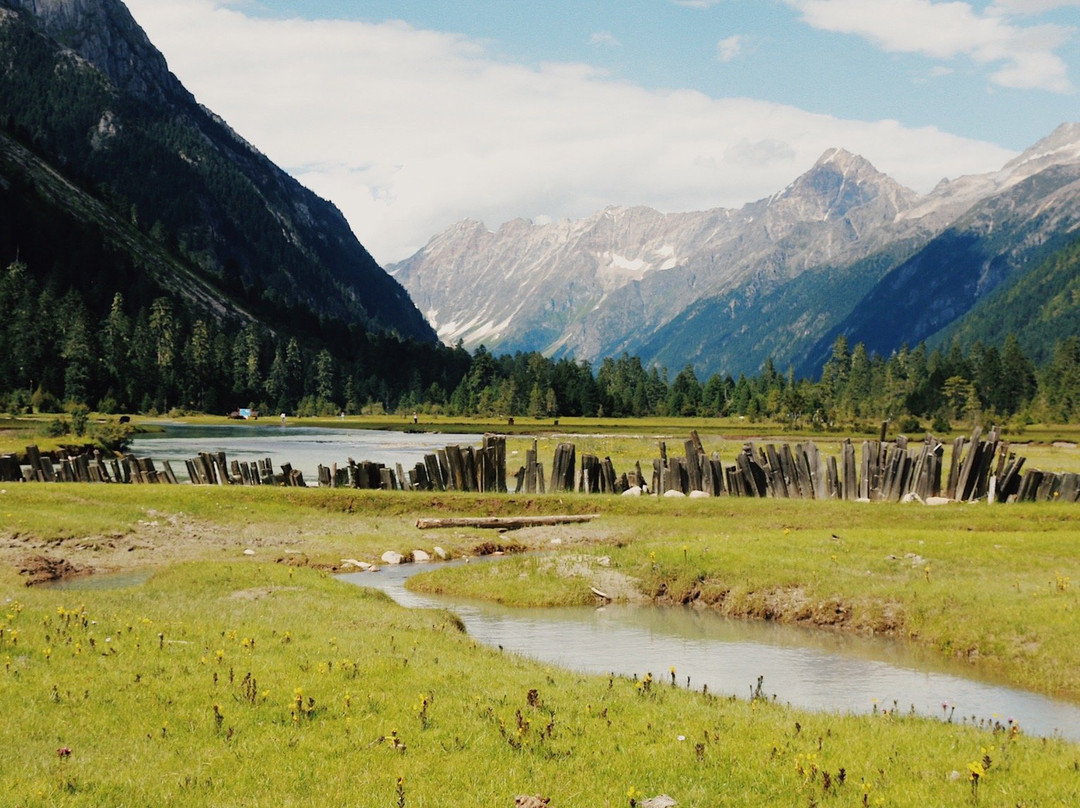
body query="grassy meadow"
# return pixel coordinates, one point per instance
(267, 685)
(241, 672)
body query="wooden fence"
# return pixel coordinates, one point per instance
(877, 471)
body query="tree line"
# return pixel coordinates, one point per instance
(58, 349)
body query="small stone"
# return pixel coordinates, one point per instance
(555, 541)
(938, 500)
(699, 495)
(659, 801)
(674, 493)
(526, 801)
(249, 552)
(420, 557)
(632, 491)
(392, 558)
(441, 553)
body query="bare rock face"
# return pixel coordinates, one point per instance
(572, 287)
(104, 33)
(697, 287)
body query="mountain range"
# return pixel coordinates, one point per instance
(844, 249)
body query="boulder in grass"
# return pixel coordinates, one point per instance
(420, 557)
(392, 558)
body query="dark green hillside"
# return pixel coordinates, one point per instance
(97, 312)
(735, 331)
(996, 243)
(1040, 307)
(150, 258)
(172, 168)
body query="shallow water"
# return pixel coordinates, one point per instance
(100, 581)
(807, 668)
(305, 448)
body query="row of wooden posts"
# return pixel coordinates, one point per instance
(881, 471)
(979, 468)
(85, 467)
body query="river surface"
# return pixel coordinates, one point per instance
(807, 668)
(305, 448)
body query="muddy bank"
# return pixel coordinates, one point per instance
(39, 569)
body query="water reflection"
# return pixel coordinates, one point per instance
(305, 448)
(810, 669)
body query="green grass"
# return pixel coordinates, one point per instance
(261, 685)
(999, 586)
(128, 680)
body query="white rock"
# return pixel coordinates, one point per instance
(352, 563)
(249, 552)
(420, 557)
(938, 500)
(632, 491)
(556, 541)
(392, 558)
(441, 553)
(674, 493)
(699, 495)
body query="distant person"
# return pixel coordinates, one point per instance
(282, 417)
(415, 418)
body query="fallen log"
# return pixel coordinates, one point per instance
(502, 522)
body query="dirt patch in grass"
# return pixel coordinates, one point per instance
(156, 541)
(40, 569)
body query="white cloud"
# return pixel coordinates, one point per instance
(947, 30)
(409, 131)
(729, 49)
(1032, 6)
(605, 39)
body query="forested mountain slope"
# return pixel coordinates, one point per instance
(150, 258)
(87, 90)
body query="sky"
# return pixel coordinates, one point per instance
(411, 115)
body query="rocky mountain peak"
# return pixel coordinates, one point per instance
(1062, 146)
(104, 33)
(840, 184)
(841, 181)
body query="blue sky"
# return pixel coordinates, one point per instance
(413, 115)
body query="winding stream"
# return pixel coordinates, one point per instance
(806, 668)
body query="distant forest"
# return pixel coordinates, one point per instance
(67, 348)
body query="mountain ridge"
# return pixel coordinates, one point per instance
(620, 279)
